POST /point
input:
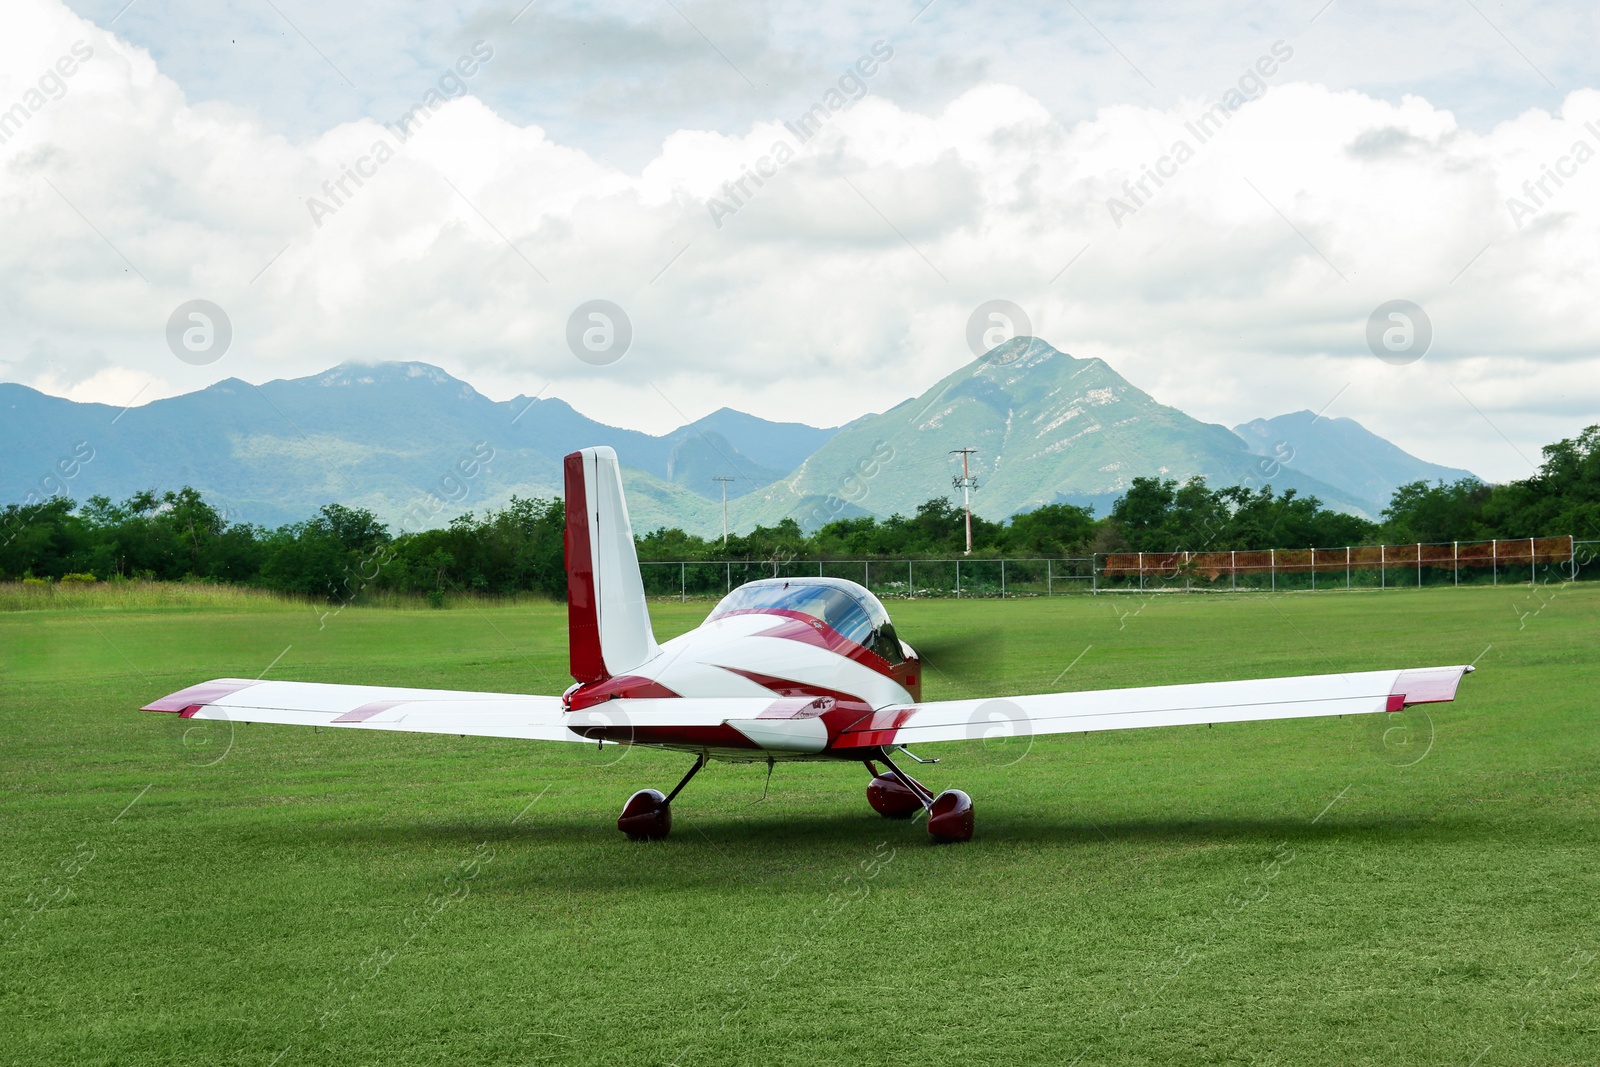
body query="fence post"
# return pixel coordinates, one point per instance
(1002, 579)
(1455, 559)
(1094, 577)
(911, 588)
(729, 567)
(1419, 564)
(1572, 557)
(1533, 561)
(1186, 588)
(1141, 572)
(1383, 566)
(1049, 578)
(1347, 567)
(866, 573)
(1494, 561)
(1313, 570)
(1233, 570)
(958, 579)
(683, 588)
(1272, 561)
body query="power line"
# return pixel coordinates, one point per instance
(724, 479)
(966, 483)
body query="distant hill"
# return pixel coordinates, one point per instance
(777, 446)
(1342, 453)
(395, 437)
(1047, 427)
(384, 437)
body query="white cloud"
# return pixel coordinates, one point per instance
(845, 282)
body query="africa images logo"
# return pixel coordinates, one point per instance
(1251, 86)
(452, 83)
(851, 86)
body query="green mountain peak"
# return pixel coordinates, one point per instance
(1047, 426)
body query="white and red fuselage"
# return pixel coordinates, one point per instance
(820, 682)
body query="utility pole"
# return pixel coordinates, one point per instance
(966, 483)
(724, 479)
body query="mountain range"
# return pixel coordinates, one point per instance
(1050, 428)
(418, 446)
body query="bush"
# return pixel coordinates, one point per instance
(78, 578)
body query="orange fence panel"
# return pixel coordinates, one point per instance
(1213, 565)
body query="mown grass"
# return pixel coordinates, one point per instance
(134, 595)
(1301, 892)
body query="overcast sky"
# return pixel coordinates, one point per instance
(1314, 163)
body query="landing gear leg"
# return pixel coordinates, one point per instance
(647, 816)
(897, 795)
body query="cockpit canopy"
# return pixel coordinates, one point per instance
(843, 606)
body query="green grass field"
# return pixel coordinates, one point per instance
(1346, 891)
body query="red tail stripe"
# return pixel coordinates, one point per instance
(586, 660)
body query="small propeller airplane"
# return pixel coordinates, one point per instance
(783, 669)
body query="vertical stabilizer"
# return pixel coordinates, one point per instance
(608, 624)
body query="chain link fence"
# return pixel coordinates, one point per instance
(1525, 561)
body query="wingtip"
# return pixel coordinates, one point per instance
(203, 693)
(1426, 685)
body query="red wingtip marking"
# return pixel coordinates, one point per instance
(186, 701)
(1430, 685)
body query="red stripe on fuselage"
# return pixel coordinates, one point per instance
(866, 739)
(689, 737)
(624, 685)
(847, 709)
(787, 687)
(874, 729)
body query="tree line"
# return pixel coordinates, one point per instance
(343, 552)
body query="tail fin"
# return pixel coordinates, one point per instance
(608, 624)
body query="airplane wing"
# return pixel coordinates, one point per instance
(784, 723)
(1163, 705)
(372, 707)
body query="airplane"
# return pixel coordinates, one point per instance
(783, 669)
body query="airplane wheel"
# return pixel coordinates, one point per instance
(892, 798)
(950, 818)
(646, 816)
